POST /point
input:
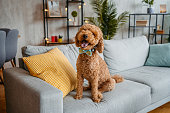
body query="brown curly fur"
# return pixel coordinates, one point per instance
(93, 68)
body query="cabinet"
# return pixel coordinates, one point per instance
(47, 18)
(149, 26)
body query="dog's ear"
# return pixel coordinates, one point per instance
(76, 39)
(100, 45)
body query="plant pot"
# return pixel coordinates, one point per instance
(150, 10)
(60, 40)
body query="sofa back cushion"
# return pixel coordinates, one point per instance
(159, 55)
(70, 51)
(125, 54)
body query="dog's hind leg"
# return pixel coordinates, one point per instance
(118, 78)
(107, 86)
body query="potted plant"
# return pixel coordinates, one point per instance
(60, 40)
(107, 19)
(150, 4)
(74, 14)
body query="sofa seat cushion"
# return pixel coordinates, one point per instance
(158, 78)
(128, 97)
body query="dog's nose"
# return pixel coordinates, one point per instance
(85, 36)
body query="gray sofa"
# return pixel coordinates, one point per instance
(10, 45)
(144, 89)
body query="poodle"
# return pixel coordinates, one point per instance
(91, 66)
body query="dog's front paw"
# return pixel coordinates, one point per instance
(100, 95)
(98, 98)
(77, 97)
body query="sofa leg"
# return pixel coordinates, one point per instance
(13, 63)
(1, 76)
(3, 68)
(1, 82)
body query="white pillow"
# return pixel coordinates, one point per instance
(125, 54)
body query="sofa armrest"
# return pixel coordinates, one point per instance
(28, 94)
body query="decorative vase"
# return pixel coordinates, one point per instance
(74, 23)
(150, 10)
(53, 38)
(56, 39)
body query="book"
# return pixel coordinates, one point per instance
(141, 23)
(160, 32)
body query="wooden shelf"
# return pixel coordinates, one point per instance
(74, 25)
(158, 34)
(142, 26)
(57, 43)
(75, 2)
(60, 43)
(56, 17)
(150, 14)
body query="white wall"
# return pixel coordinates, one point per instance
(27, 17)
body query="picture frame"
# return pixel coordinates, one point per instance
(54, 9)
(163, 8)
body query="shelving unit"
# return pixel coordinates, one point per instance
(149, 26)
(46, 18)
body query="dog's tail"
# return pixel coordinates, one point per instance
(117, 78)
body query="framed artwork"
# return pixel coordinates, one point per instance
(54, 9)
(163, 8)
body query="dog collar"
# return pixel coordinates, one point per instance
(88, 52)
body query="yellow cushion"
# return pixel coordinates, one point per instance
(54, 68)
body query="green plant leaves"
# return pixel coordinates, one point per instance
(122, 18)
(150, 2)
(74, 13)
(106, 18)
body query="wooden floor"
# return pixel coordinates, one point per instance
(2, 100)
(163, 109)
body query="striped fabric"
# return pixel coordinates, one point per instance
(54, 68)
